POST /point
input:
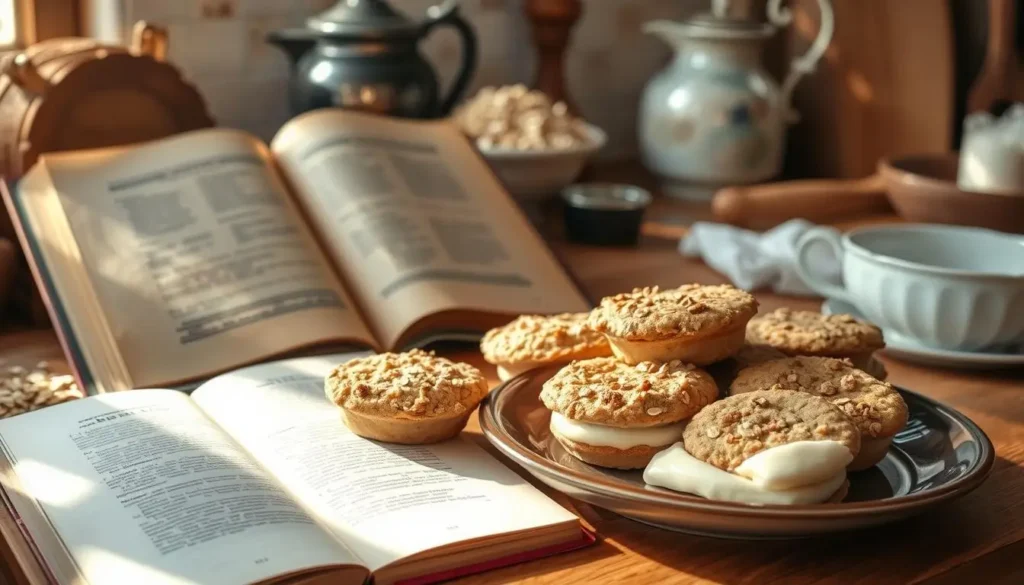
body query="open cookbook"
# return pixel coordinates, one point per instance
(254, 479)
(166, 263)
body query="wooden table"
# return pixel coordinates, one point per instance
(977, 539)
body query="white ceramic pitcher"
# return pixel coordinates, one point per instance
(714, 116)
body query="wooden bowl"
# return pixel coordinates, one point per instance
(923, 189)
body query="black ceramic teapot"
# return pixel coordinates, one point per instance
(362, 54)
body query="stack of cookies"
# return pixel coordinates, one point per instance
(620, 411)
(795, 400)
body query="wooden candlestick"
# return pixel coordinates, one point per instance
(552, 22)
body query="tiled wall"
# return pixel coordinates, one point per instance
(219, 44)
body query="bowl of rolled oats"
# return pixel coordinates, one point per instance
(534, 145)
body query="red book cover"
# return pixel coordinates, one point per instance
(586, 539)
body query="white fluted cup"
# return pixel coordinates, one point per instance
(942, 286)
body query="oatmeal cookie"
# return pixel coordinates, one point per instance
(693, 323)
(733, 429)
(875, 406)
(607, 391)
(532, 341)
(810, 333)
(412, 397)
(770, 447)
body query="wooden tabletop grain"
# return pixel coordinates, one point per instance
(974, 540)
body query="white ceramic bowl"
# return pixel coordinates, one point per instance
(531, 175)
(947, 287)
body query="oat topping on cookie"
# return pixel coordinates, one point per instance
(876, 407)
(542, 338)
(733, 429)
(606, 391)
(811, 333)
(692, 309)
(414, 384)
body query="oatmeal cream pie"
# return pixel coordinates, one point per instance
(413, 397)
(693, 323)
(532, 341)
(608, 413)
(765, 447)
(811, 333)
(875, 406)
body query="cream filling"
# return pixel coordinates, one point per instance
(795, 464)
(508, 371)
(616, 437)
(677, 470)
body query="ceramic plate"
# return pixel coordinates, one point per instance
(940, 455)
(901, 347)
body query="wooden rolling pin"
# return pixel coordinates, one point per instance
(765, 206)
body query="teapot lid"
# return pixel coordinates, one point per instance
(362, 18)
(710, 26)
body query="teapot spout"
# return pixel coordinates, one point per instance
(294, 42)
(671, 32)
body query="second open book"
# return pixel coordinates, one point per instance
(169, 262)
(255, 479)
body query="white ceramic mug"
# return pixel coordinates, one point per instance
(942, 286)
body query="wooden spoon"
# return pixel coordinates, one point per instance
(996, 81)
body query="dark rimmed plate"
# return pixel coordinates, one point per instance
(939, 456)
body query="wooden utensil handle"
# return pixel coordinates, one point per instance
(552, 22)
(995, 80)
(765, 206)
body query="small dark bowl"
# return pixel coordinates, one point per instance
(604, 214)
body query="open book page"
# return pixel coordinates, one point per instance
(387, 502)
(141, 487)
(417, 221)
(196, 255)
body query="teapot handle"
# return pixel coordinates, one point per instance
(781, 16)
(447, 13)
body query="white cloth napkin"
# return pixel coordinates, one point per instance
(753, 260)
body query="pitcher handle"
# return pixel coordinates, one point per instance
(804, 266)
(447, 13)
(781, 16)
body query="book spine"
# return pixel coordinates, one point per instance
(61, 326)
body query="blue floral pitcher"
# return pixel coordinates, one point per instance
(714, 116)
